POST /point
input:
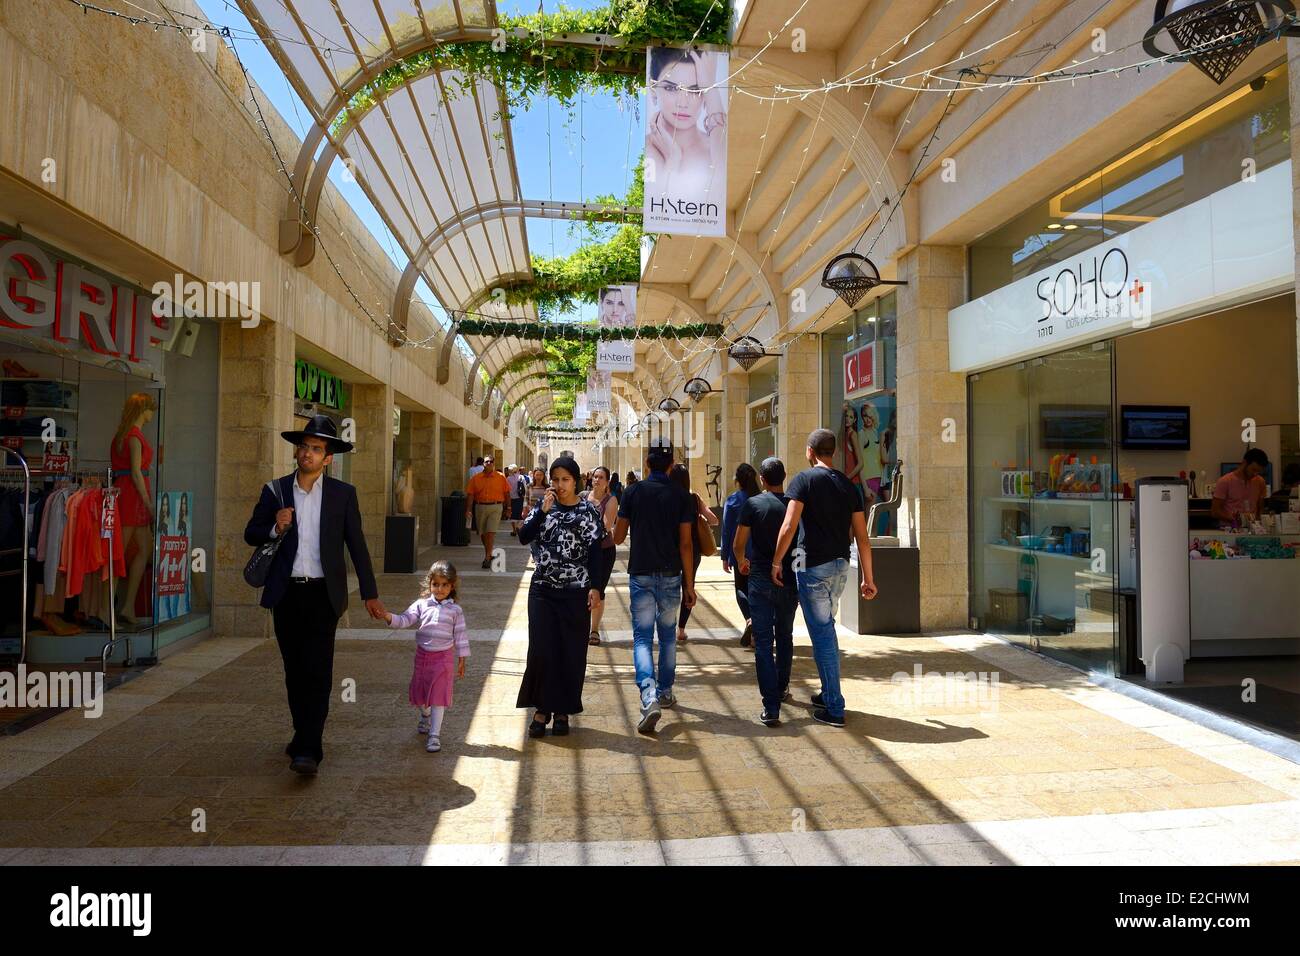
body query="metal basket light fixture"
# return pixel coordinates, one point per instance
(746, 351)
(697, 388)
(851, 276)
(670, 405)
(1216, 36)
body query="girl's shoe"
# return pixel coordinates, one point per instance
(538, 727)
(561, 727)
(593, 638)
(434, 744)
(681, 635)
(426, 721)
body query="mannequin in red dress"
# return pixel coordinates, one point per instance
(131, 456)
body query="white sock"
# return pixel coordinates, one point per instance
(435, 724)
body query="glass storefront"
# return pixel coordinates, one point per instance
(1042, 504)
(1242, 134)
(865, 422)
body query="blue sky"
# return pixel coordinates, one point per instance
(577, 159)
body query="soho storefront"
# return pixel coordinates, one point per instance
(84, 358)
(1132, 325)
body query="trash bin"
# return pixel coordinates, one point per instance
(454, 532)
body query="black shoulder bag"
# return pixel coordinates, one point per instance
(259, 565)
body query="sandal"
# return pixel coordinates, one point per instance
(593, 639)
(561, 727)
(538, 727)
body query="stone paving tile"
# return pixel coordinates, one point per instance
(208, 731)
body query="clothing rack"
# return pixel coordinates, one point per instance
(27, 503)
(110, 491)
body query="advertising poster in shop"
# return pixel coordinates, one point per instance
(617, 310)
(686, 142)
(868, 448)
(580, 411)
(172, 585)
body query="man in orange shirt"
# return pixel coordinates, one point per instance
(489, 495)
(1237, 495)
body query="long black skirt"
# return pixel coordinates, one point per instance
(558, 626)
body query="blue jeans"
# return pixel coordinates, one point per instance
(773, 617)
(655, 602)
(819, 596)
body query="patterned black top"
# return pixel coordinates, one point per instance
(568, 546)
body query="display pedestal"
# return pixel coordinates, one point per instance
(896, 609)
(401, 534)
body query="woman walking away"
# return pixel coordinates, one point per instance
(568, 584)
(441, 646)
(746, 488)
(681, 476)
(602, 496)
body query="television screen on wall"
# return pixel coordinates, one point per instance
(1155, 427)
(1073, 427)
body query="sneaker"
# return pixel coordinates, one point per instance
(667, 699)
(747, 637)
(823, 716)
(787, 697)
(423, 726)
(769, 720)
(816, 700)
(486, 565)
(434, 744)
(649, 718)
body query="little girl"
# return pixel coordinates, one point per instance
(441, 639)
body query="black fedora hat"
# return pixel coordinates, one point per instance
(320, 426)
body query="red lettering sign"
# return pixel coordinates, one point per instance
(860, 369)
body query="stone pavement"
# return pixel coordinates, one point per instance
(1040, 767)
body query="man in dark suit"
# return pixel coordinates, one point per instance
(307, 584)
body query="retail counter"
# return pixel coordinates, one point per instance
(1243, 599)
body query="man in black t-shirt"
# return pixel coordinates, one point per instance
(661, 575)
(772, 606)
(825, 508)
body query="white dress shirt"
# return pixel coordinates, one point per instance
(306, 514)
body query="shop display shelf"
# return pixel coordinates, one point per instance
(1055, 501)
(1077, 558)
(58, 381)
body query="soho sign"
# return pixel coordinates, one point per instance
(1091, 290)
(76, 306)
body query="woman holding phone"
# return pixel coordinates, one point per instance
(568, 585)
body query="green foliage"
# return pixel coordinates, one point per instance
(525, 67)
(553, 335)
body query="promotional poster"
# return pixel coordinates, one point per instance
(617, 310)
(173, 570)
(686, 142)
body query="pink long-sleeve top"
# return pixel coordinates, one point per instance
(440, 625)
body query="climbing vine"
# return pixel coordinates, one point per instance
(523, 66)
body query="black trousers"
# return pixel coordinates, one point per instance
(305, 623)
(558, 625)
(742, 591)
(684, 614)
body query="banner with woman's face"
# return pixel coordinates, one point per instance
(616, 309)
(686, 142)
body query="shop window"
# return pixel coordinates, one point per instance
(865, 423)
(1243, 133)
(1043, 499)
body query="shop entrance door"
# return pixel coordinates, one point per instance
(1043, 550)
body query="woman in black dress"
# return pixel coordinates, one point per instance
(568, 583)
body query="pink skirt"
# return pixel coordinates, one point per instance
(431, 680)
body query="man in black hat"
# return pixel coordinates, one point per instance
(661, 576)
(307, 585)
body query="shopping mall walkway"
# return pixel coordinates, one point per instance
(1046, 768)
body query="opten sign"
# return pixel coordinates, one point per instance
(317, 386)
